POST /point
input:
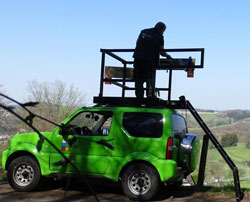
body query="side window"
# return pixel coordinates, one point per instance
(178, 125)
(90, 124)
(141, 124)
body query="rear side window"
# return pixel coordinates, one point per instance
(141, 124)
(178, 125)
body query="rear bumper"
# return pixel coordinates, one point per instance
(167, 169)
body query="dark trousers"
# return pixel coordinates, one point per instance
(144, 72)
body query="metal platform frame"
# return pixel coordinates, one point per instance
(122, 82)
(182, 103)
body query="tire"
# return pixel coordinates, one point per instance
(24, 174)
(140, 182)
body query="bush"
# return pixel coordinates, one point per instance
(229, 140)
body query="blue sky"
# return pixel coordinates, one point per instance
(58, 39)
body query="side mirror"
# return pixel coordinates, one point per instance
(62, 131)
(65, 130)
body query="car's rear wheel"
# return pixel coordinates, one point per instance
(24, 173)
(140, 182)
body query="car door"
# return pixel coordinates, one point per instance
(89, 137)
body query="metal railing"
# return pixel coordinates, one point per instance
(121, 82)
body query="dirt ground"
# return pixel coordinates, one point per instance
(54, 191)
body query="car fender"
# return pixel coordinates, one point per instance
(24, 149)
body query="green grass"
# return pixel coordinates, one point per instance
(239, 153)
(211, 119)
(216, 166)
(245, 184)
(211, 116)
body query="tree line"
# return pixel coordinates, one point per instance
(238, 114)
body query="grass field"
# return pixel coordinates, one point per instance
(218, 170)
(211, 119)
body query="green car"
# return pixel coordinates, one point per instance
(141, 147)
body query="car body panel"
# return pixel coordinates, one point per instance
(27, 142)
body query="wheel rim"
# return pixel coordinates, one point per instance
(23, 175)
(139, 182)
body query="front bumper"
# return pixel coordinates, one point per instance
(5, 155)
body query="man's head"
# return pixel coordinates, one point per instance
(161, 27)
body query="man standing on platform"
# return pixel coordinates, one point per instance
(149, 47)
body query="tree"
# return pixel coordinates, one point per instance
(8, 122)
(2, 100)
(56, 101)
(229, 140)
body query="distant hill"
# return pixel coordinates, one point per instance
(222, 122)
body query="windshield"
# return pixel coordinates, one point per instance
(90, 123)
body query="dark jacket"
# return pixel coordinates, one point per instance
(148, 45)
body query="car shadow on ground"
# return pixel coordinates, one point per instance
(167, 192)
(108, 190)
(74, 189)
(73, 184)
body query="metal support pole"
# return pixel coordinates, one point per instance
(203, 159)
(169, 84)
(102, 74)
(124, 80)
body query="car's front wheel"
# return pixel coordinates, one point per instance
(140, 182)
(24, 173)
